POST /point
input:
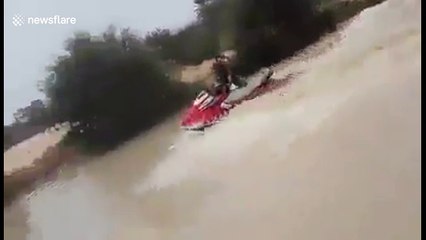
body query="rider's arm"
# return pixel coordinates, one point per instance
(230, 74)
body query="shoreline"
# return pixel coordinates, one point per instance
(25, 179)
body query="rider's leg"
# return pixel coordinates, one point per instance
(239, 82)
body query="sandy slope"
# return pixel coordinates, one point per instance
(25, 153)
(336, 156)
(202, 72)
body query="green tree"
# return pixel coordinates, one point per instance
(190, 45)
(110, 93)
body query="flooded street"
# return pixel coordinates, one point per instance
(336, 156)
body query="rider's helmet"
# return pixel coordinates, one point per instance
(221, 58)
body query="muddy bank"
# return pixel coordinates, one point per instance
(33, 159)
(25, 179)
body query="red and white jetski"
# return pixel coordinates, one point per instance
(206, 110)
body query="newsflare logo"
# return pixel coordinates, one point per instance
(19, 20)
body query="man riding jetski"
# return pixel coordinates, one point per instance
(214, 103)
(225, 80)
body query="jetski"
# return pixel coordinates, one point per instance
(207, 110)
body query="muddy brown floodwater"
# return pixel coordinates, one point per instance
(335, 156)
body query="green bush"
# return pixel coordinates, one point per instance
(271, 30)
(263, 32)
(112, 92)
(189, 46)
